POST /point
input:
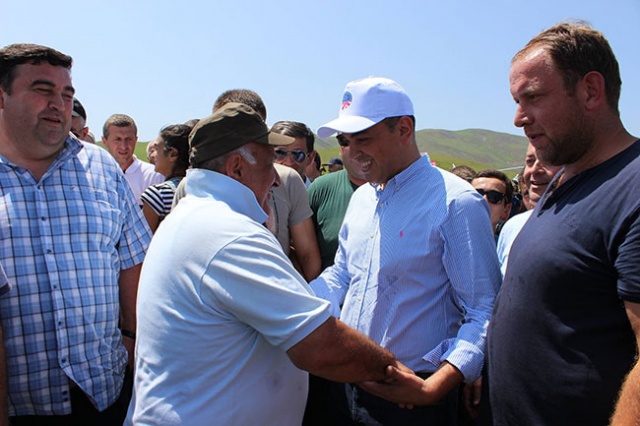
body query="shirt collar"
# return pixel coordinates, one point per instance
(204, 183)
(72, 146)
(405, 175)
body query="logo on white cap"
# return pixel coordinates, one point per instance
(367, 102)
(346, 100)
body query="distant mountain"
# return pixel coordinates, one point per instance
(477, 148)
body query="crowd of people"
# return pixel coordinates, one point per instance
(229, 281)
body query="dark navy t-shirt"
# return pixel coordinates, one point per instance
(559, 342)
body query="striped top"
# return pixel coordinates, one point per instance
(160, 196)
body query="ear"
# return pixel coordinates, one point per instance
(594, 90)
(311, 157)
(173, 154)
(505, 213)
(405, 128)
(233, 167)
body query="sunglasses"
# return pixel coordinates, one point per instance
(342, 141)
(297, 155)
(494, 197)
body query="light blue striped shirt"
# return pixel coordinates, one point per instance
(63, 242)
(416, 269)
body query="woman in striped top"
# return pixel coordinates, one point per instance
(172, 160)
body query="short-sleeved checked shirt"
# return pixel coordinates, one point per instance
(63, 242)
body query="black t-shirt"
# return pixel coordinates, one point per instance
(559, 342)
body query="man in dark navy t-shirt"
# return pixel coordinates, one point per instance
(564, 333)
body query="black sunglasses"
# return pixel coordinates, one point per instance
(297, 155)
(494, 197)
(342, 141)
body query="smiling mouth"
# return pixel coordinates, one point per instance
(539, 183)
(365, 164)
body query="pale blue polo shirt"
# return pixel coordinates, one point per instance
(219, 305)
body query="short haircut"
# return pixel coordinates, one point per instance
(118, 120)
(22, 53)
(176, 136)
(243, 96)
(497, 174)
(295, 129)
(464, 172)
(392, 122)
(577, 49)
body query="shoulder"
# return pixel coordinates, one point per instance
(291, 184)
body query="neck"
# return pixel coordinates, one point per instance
(126, 165)
(609, 142)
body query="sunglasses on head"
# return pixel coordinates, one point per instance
(297, 155)
(494, 197)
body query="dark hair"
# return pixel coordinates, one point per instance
(118, 120)
(176, 136)
(464, 172)
(577, 49)
(497, 174)
(22, 53)
(295, 129)
(192, 123)
(392, 122)
(317, 161)
(243, 96)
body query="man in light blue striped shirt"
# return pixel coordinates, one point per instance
(416, 269)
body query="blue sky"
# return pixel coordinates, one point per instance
(165, 62)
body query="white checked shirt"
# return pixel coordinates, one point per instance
(63, 242)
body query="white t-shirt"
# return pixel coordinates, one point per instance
(140, 176)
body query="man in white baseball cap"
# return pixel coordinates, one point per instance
(418, 272)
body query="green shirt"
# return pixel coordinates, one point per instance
(329, 197)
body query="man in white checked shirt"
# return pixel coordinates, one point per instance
(72, 240)
(416, 267)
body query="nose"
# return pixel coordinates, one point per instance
(288, 160)
(521, 117)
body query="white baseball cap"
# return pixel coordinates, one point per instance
(367, 102)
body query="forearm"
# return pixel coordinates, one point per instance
(441, 383)
(627, 412)
(128, 284)
(336, 352)
(305, 244)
